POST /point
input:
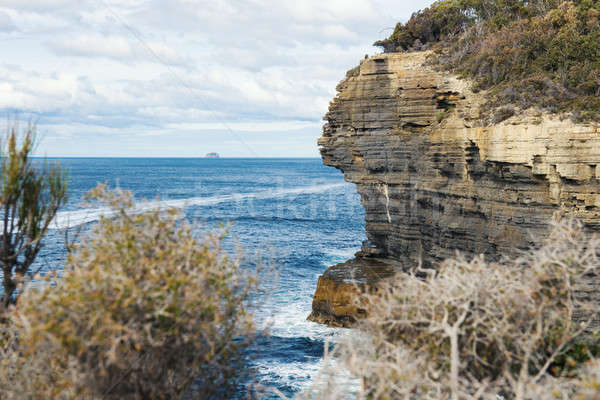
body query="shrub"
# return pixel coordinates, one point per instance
(447, 18)
(30, 196)
(589, 382)
(502, 114)
(353, 72)
(501, 44)
(142, 310)
(441, 20)
(520, 329)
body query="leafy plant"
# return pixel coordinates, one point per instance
(144, 310)
(503, 113)
(543, 53)
(30, 196)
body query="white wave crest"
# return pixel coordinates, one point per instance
(69, 219)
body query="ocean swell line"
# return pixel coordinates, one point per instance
(69, 219)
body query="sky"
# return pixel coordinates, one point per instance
(181, 78)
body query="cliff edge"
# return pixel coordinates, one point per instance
(434, 180)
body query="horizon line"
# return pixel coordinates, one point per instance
(188, 157)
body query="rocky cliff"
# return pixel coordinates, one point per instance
(433, 179)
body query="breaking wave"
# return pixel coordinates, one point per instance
(69, 219)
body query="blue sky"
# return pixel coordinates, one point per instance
(180, 78)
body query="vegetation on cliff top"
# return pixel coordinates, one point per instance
(541, 53)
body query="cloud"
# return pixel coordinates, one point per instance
(39, 5)
(120, 68)
(269, 126)
(117, 48)
(85, 45)
(6, 22)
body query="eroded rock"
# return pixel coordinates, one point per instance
(434, 180)
(337, 289)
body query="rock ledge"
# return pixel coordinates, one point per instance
(433, 180)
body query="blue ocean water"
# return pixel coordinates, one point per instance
(296, 215)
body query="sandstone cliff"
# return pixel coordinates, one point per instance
(434, 180)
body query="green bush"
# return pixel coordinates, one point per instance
(143, 311)
(545, 53)
(441, 20)
(30, 197)
(503, 113)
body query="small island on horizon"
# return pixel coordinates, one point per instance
(212, 155)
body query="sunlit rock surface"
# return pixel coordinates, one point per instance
(434, 180)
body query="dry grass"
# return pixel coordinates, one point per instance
(144, 310)
(543, 54)
(520, 329)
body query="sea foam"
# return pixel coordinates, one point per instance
(69, 219)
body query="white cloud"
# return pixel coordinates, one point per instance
(338, 32)
(331, 10)
(93, 46)
(256, 126)
(39, 5)
(118, 48)
(261, 65)
(6, 22)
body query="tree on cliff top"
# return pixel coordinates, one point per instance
(445, 19)
(30, 196)
(541, 53)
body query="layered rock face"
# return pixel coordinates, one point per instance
(434, 180)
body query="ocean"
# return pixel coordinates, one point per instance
(294, 215)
